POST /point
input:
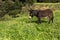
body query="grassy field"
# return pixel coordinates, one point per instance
(23, 28)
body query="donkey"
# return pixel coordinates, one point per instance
(42, 13)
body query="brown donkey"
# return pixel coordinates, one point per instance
(42, 13)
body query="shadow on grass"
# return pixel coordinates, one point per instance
(42, 21)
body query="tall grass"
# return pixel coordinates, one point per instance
(53, 6)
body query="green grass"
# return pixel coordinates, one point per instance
(23, 28)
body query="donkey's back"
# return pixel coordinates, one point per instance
(44, 13)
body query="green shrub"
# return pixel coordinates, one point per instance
(14, 12)
(13, 8)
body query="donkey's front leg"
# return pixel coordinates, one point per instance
(39, 20)
(49, 20)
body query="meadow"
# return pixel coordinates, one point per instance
(23, 28)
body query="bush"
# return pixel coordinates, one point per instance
(5, 7)
(18, 5)
(8, 7)
(13, 8)
(13, 13)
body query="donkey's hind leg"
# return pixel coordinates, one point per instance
(51, 19)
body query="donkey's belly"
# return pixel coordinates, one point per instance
(44, 16)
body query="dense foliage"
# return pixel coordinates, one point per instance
(8, 5)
